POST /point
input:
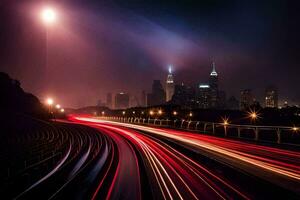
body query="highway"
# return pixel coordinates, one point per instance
(100, 159)
(176, 175)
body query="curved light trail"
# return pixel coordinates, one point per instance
(88, 158)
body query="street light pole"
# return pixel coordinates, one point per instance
(49, 17)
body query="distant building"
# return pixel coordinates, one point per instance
(222, 99)
(134, 102)
(185, 96)
(271, 97)
(247, 99)
(203, 96)
(170, 86)
(158, 96)
(232, 103)
(214, 87)
(109, 100)
(143, 99)
(121, 101)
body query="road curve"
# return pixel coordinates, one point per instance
(174, 175)
(88, 158)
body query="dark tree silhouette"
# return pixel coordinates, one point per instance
(14, 100)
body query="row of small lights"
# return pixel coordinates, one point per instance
(252, 115)
(159, 112)
(50, 102)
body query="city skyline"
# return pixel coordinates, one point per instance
(206, 94)
(243, 41)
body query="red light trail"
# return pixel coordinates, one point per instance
(95, 159)
(179, 177)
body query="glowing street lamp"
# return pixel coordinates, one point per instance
(175, 113)
(50, 101)
(295, 129)
(225, 124)
(57, 106)
(160, 112)
(253, 115)
(225, 121)
(48, 16)
(190, 114)
(124, 112)
(151, 112)
(103, 113)
(62, 110)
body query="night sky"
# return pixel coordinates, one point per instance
(112, 46)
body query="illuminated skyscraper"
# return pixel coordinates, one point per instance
(271, 97)
(170, 87)
(214, 87)
(203, 96)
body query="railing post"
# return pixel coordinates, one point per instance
(196, 128)
(239, 132)
(278, 135)
(213, 128)
(204, 128)
(188, 127)
(225, 130)
(256, 134)
(182, 123)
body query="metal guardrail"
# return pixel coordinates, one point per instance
(207, 127)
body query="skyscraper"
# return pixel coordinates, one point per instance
(214, 87)
(158, 96)
(170, 87)
(271, 97)
(203, 96)
(121, 100)
(247, 99)
(184, 96)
